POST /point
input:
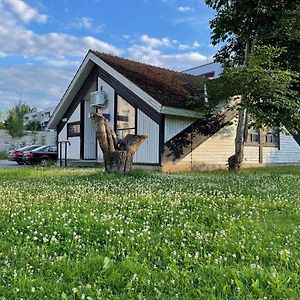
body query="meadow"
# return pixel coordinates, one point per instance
(83, 234)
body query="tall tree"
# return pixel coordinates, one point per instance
(261, 75)
(14, 122)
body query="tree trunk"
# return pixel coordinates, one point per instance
(117, 154)
(235, 161)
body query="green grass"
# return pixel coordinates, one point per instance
(3, 155)
(83, 234)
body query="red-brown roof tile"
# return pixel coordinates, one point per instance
(168, 87)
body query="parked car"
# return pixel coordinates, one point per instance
(17, 154)
(43, 155)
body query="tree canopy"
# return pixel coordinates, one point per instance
(14, 122)
(266, 89)
(256, 22)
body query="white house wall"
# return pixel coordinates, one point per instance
(148, 152)
(74, 148)
(289, 151)
(207, 68)
(175, 124)
(89, 131)
(110, 95)
(219, 147)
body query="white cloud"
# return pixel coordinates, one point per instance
(171, 61)
(148, 50)
(185, 9)
(183, 47)
(54, 57)
(41, 85)
(196, 45)
(16, 39)
(87, 24)
(25, 12)
(155, 42)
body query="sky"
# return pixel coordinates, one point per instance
(42, 43)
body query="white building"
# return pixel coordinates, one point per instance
(42, 116)
(148, 100)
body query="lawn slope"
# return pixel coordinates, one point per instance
(82, 234)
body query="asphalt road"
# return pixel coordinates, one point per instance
(8, 164)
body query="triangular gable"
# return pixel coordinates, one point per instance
(82, 74)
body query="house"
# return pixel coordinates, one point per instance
(144, 99)
(208, 70)
(41, 116)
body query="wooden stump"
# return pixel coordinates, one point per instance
(117, 154)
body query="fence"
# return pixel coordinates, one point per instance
(7, 142)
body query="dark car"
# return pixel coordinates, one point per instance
(43, 155)
(17, 154)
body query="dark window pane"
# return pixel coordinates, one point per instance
(125, 118)
(73, 129)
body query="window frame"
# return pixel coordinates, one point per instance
(274, 133)
(262, 134)
(71, 134)
(116, 116)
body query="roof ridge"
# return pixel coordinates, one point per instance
(141, 63)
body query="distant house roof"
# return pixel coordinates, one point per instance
(169, 88)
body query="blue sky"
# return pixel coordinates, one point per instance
(42, 43)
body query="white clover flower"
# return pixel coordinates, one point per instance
(45, 240)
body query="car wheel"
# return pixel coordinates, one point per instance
(20, 163)
(44, 162)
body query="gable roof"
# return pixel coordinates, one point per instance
(169, 88)
(164, 90)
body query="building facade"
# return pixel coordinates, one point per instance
(148, 100)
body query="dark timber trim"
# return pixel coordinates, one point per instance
(135, 120)
(297, 138)
(115, 110)
(145, 164)
(161, 138)
(96, 150)
(196, 134)
(79, 97)
(261, 147)
(129, 96)
(82, 120)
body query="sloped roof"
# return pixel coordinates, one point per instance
(169, 88)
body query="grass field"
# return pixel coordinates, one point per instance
(82, 234)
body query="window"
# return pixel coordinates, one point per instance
(126, 117)
(52, 149)
(73, 129)
(271, 137)
(253, 136)
(265, 137)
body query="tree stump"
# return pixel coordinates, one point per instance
(117, 154)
